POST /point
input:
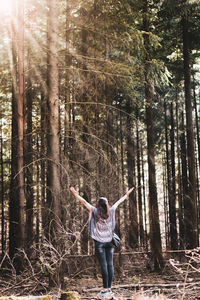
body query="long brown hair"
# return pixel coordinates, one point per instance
(102, 208)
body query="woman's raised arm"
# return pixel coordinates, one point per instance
(83, 201)
(123, 198)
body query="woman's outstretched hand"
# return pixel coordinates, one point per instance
(129, 191)
(123, 198)
(83, 201)
(72, 189)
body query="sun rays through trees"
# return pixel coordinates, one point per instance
(101, 95)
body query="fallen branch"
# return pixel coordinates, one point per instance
(148, 285)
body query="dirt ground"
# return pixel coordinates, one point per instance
(172, 286)
(134, 275)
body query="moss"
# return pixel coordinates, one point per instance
(71, 295)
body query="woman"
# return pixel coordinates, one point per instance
(101, 227)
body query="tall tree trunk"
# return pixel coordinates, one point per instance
(191, 211)
(53, 149)
(17, 195)
(169, 187)
(28, 159)
(144, 196)
(20, 121)
(67, 79)
(85, 129)
(180, 196)
(155, 238)
(13, 197)
(132, 231)
(124, 224)
(198, 143)
(184, 178)
(174, 241)
(166, 203)
(141, 226)
(53, 146)
(170, 180)
(38, 197)
(43, 165)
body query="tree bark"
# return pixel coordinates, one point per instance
(180, 196)
(67, 80)
(43, 164)
(38, 197)
(198, 144)
(155, 238)
(28, 159)
(169, 188)
(174, 240)
(53, 149)
(17, 195)
(132, 230)
(170, 180)
(13, 196)
(184, 179)
(144, 197)
(53, 145)
(141, 226)
(20, 122)
(85, 129)
(191, 211)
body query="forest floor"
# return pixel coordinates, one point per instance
(134, 276)
(149, 284)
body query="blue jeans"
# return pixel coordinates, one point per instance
(104, 253)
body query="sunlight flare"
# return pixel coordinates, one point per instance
(5, 6)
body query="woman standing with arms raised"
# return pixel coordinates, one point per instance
(101, 227)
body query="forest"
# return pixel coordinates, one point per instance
(103, 96)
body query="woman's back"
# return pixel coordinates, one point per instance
(101, 229)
